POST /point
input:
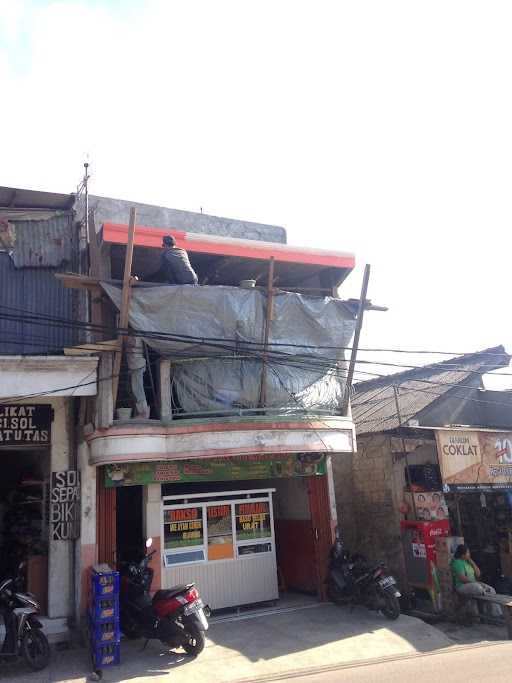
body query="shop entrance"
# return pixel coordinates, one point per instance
(24, 509)
(485, 521)
(204, 537)
(129, 523)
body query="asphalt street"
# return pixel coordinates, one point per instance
(489, 663)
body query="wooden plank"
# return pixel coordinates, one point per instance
(164, 389)
(104, 403)
(125, 302)
(357, 334)
(93, 347)
(266, 332)
(498, 599)
(74, 281)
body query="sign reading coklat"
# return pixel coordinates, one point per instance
(22, 425)
(474, 457)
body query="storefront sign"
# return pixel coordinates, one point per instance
(65, 505)
(185, 527)
(474, 459)
(214, 469)
(22, 425)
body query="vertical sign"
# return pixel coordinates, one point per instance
(65, 505)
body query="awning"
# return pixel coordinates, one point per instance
(243, 258)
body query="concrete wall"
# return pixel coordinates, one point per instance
(118, 211)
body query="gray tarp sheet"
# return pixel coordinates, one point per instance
(219, 380)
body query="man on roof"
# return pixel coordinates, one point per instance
(175, 267)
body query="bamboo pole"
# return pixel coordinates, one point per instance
(125, 303)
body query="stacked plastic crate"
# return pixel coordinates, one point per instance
(104, 629)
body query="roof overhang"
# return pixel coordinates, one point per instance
(315, 260)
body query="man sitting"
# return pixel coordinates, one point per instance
(175, 266)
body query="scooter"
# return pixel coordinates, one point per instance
(176, 616)
(23, 631)
(352, 580)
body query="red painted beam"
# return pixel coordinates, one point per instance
(145, 236)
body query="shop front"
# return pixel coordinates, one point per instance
(476, 468)
(243, 528)
(457, 489)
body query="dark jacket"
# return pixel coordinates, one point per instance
(175, 267)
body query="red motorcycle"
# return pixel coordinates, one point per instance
(175, 616)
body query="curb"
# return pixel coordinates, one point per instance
(358, 663)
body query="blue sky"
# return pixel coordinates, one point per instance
(376, 127)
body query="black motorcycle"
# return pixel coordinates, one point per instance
(23, 631)
(176, 616)
(352, 580)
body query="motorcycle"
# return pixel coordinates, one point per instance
(352, 580)
(23, 631)
(175, 616)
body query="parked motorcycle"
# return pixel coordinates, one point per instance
(23, 631)
(352, 580)
(175, 616)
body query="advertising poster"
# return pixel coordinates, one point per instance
(214, 469)
(183, 528)
(475, 459)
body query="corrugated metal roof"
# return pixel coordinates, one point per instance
(47, 243)
(373, 402)
(14, 197)
(36, 290)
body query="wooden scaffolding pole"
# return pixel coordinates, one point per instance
(125, 303)
(266, 332)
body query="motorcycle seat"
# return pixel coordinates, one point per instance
(168, 593)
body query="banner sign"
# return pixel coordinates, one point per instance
(185, 527)
(474, 458)
(215, 469)
(65, 505)
(22, 425)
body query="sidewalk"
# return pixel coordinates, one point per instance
(248, 647)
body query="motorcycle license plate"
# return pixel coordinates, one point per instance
(386, 582)
(193, 608)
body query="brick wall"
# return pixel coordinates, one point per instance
(372, 524)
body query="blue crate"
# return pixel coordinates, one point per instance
(104, 584)
(104, 609)
(106, 654)
(104, 633)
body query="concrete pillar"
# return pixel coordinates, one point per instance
(60, 552)
(86, 548)
(152, 506)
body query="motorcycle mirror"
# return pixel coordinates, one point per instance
(149, 543)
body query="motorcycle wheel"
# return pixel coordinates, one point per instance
(194, 641)
(391, 609)
(35, 649)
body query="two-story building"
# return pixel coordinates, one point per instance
(224, 456)
(209, 423)
(40, 394)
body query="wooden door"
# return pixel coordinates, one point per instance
(106, 521)
(323, 532)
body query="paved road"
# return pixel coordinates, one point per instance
(486, 664)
